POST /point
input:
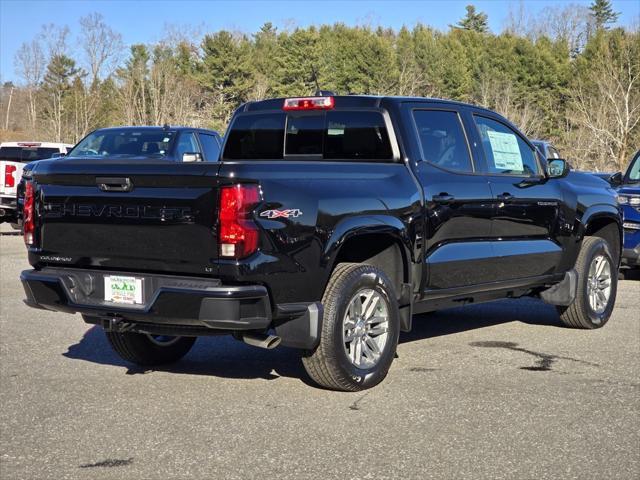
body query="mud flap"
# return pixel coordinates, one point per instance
(302, 331)
(563, 293)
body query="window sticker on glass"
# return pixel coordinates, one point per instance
(506, 152)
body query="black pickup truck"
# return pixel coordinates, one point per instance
(328, 222)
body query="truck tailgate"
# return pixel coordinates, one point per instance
(127, 216)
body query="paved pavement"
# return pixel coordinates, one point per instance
(495, 391)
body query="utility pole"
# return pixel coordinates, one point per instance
(6, 119)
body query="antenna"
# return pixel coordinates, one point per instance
(315, 79)
(319, 92)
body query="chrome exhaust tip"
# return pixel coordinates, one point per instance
(263, 341)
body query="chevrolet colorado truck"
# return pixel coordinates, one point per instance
(328, 222)
(139, 144)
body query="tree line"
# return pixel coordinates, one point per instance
(567, 75)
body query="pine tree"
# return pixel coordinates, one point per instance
(56, 86)
(475, 21)
(602, 14)
(227, 74)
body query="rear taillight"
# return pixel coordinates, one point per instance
(238, 234)
(9, 178)
(28, 212)
(309, 103)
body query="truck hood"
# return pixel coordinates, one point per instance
(630, 189)
(586, 179)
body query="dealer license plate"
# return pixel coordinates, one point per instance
(120, 289)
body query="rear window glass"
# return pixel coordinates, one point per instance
(305, 134)
(256, 136)
(333, 135)
(26, 154)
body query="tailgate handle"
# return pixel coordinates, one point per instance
(114, 184)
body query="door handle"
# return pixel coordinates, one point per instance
(443, 198)
(505, 197)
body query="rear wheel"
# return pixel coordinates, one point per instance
(597, 286)
(145, 349)
(360, 330)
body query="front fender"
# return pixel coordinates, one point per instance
(596, 214)
(599, 212)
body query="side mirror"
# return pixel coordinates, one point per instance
(191, 157)
(557, 168)
(615, 180)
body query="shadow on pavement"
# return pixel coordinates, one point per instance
(630, 273)
(462, 319)
(220, 356)
(223, 356)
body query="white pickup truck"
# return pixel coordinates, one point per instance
(13, 157)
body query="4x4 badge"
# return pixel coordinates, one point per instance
(289, 213)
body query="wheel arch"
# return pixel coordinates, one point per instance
(605, 223)
(380, 241)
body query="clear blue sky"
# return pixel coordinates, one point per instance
(141, 21)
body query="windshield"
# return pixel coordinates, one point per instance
(126, 142)
(633, 174)
(540, 147)
(26, 154)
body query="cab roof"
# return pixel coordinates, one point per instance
(35, 144)
(353, 101)
(173, 128)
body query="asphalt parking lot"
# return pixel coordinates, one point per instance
(498, 390)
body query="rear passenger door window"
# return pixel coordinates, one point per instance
(443, 140)
(506, 151)
(210, 146)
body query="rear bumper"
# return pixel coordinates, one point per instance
(8, 207)
(172, 305)
(181, 301)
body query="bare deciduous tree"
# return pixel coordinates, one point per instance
(30, 66)
(54, 38)
(101, 45)
(570, 23)
(500, 96)
(607, 103)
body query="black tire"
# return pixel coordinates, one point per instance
(329, 365)
(140, 349)
(580, 314)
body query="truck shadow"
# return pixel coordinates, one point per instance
(471, 317)
(223, 356)
(219, 356)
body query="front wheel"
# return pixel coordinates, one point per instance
(148, 350)
(597, 286)
(360, 330)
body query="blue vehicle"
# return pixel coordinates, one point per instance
(629, 197)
